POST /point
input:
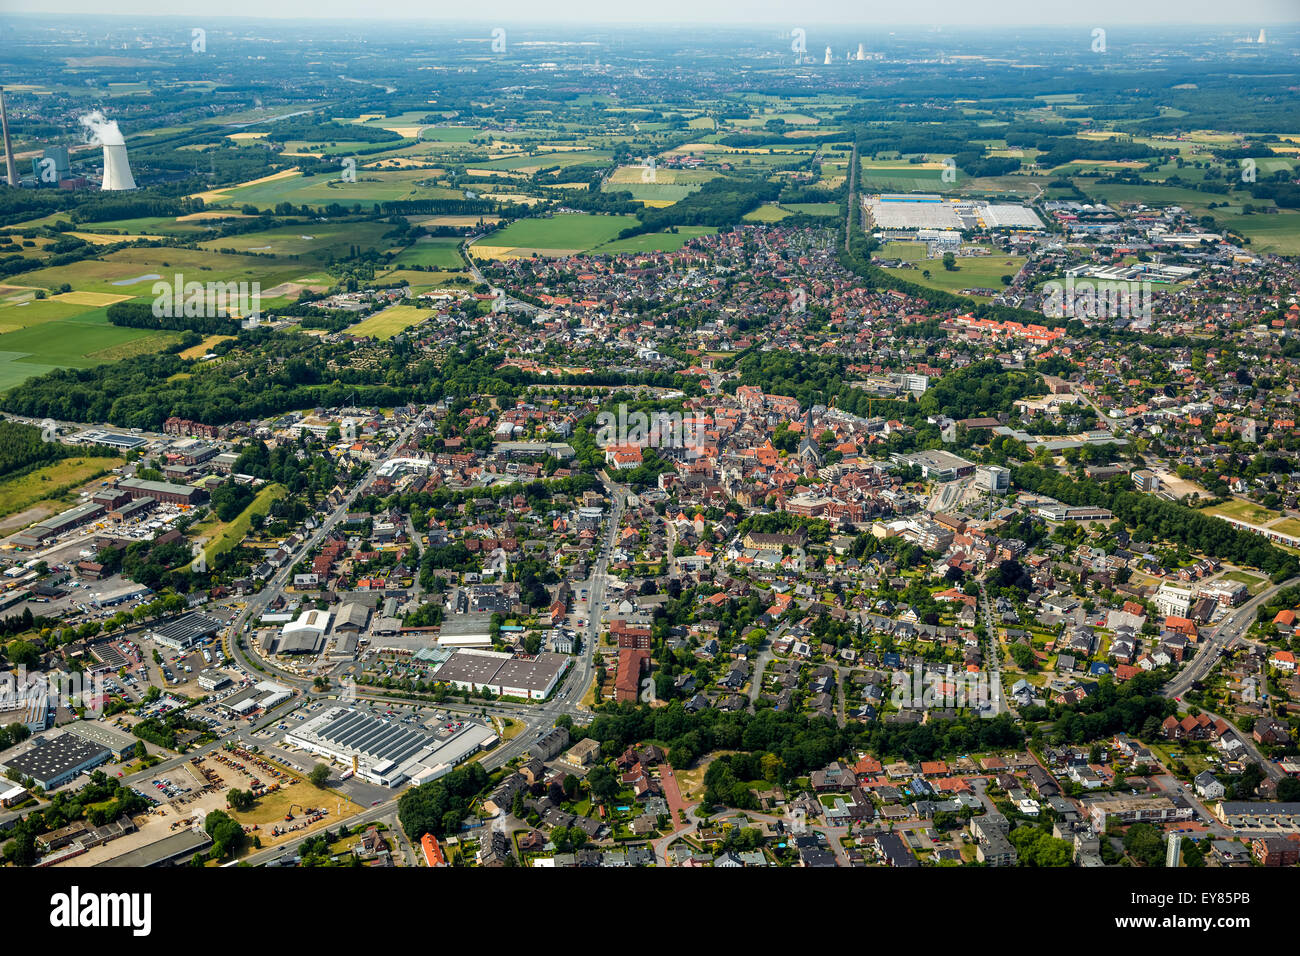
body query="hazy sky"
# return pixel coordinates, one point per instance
(927, 13)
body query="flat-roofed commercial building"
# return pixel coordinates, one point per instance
(184, 632)
(387, 752)
(53, 761)
(505, 675)
(118, 742)
(938, 465)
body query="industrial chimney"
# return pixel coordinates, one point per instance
(11, 169)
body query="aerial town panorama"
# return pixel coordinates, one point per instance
(510, 445)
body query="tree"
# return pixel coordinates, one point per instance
(227, 835)
(603, 783)
(319, 775)
(950, 262)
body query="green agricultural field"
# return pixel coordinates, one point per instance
(80, 341)
(813, 208)
(438, 252)
(562, 234)
(314, 241)
(372, 186)
(133, 272)
(768, 212)
(146, 226)
(451, 134)
(1278, 233)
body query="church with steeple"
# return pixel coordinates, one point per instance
(809, 450)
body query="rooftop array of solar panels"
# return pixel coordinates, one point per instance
(380, 740)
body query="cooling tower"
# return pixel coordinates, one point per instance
(828, 56)
(117, 171)
(862, 53)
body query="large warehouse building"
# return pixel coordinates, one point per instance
(533, 678)
(53, 761)
(388, 752)
(184, 632)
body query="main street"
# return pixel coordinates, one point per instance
(1236, 624)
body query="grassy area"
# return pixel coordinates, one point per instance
(1243, 511)
(52, 484)
(983, 272)
(657, 241)
(37, 335)
(438, 252)
(388, 322)
(1253, 582)
(222, 536)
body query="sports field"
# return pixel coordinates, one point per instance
(386, 324)
(1244, 511)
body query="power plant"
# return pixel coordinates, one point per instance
(117, 170)
(11, 169)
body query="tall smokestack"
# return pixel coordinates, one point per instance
(11, 169)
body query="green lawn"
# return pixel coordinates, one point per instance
(225, 536)
(984, 272)
(388, 322)
(1243, 511)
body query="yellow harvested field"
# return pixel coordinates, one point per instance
(492, 252)
(512, 197)
(89, 298)
(198, 351)
(211, 214)
(101, 239)
(238, 136)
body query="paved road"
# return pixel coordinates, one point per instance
(1231, 627)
